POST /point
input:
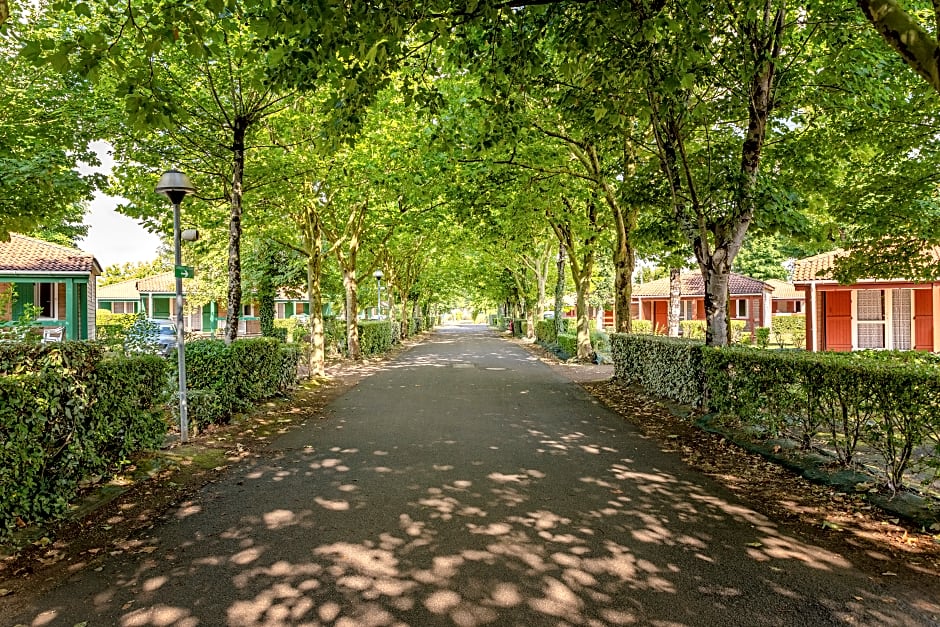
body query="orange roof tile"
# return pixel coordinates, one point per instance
(783, 290)
(694, 285)
(123, 290)
(164, 283)
(817, 267)
(27, 254)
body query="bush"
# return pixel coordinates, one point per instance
(789, 329)
(890, 404)
(568, 344)
(762, 337)
(67, 414)
(375, 337)
(692, 329)
(643, 327)
(334, 336)
(285, 329)
(601, 342)
(664, 366)
(545, 332)
(232, 377)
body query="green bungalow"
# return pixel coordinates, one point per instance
(156, 296)
(60, 280)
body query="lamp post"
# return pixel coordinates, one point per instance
(175, 185)
(378, 274)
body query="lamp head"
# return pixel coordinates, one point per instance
(175, 185)
(378, 274)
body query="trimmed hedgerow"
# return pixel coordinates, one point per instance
(67, 414)
(665, 366)
(890, 404)
(225, 379)
(545, 332)
(375, 337)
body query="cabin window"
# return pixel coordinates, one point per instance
(871, 318)
(46, 297)
(280, 310)
(740, 308)
(688, 310)
(123, 307)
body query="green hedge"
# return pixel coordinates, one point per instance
(567, 344)
(223, 379)
(789, 329)
(665, 366)
(692, 329)
(643, 327)
(67, 414)
(545, 332)
(889, 403)
(375, 337)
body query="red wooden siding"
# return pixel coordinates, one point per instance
(838, 321)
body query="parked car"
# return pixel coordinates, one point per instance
(165, 336)
(147, 335)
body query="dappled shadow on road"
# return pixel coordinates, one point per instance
(517, 513)
(475, 542)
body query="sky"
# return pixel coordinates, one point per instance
(112, 237)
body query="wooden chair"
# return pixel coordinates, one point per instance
(52, 334)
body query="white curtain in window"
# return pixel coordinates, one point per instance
(901, 319)
(871, 316)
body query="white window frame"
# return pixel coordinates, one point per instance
(280, 310)
(37, 290)
(688, 310)
(885, 313)
(737, 308)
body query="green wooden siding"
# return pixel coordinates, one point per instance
(161, 308)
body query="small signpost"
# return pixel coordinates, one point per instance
(183, 272)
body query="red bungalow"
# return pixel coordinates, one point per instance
(872, 313)
(748, 299)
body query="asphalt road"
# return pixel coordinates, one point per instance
(468, 484)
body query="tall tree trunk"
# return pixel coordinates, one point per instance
(675, 301)
(352, 311)
(581, 272)
(717, 324)
(233, 314)
(317, 352)
(560, 288)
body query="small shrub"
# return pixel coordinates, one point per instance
(692, 329)
(762, 337)
(567, 344)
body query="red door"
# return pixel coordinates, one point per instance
(660, 316)
(923, 320)
(838, 321)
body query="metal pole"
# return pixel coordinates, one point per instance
(180, 346)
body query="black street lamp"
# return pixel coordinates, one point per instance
(176, 186)
(378, 274)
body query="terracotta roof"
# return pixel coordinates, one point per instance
(124, 290)
(26, 254)
(164, 283)
(817, 267)
(694, 285)
(782, 289)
